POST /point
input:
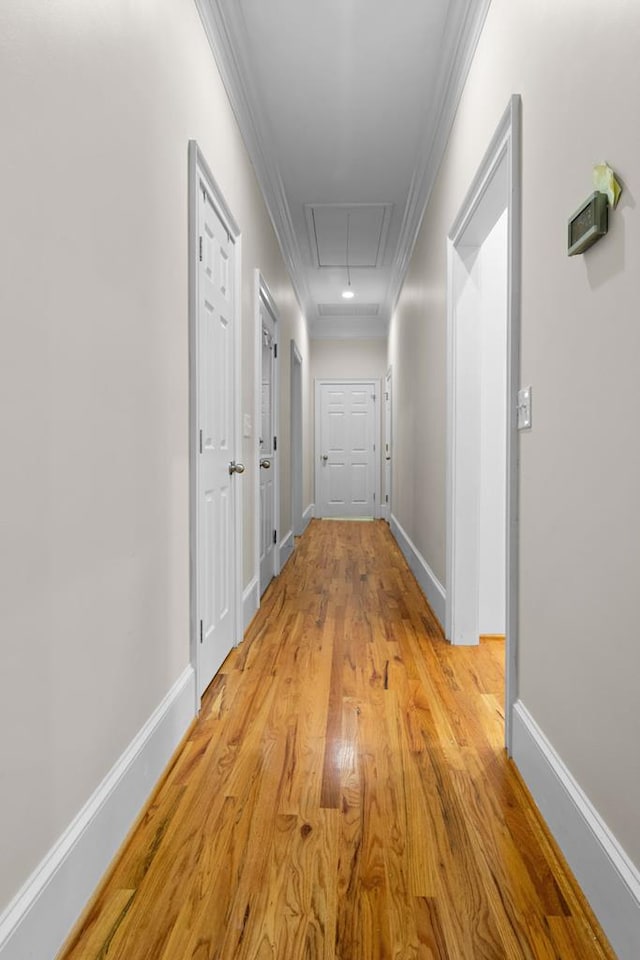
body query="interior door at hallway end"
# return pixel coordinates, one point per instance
(217, 483)
(346, 432)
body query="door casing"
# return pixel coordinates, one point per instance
(499, 173)
(199, 171)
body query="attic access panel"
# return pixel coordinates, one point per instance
(357, 228)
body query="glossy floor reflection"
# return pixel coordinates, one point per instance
(344, 794)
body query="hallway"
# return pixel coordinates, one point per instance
(344, 793)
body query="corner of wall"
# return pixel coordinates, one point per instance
(43, 913)
(250, 603)
(429, 583)
(308, 515)
(607, 877)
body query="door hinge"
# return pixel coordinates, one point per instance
(386, 396)
(275, 351)
(373, 396)
(275, 443)
(275, 536)
(200, 248)
(386, 497)
(374, 448)
(201, 631)
(200, 441)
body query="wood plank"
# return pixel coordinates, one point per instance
(344, 794)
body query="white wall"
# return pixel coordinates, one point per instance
(493, 430)
(97, 104)
(344, 359)
(579, 657)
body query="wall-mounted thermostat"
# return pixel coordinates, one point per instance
(589, 223)
(524, 408)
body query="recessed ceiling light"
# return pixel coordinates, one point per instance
(348, 294)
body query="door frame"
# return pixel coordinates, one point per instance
(504, 146)
(385, 508)
(262, 294)
(375, 382)
(296, 441)
(199, 171)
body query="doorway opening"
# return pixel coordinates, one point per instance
(483, 357)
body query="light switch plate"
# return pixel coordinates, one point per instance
(524, 408)
(246, 431)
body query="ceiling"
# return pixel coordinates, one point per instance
(345, 107)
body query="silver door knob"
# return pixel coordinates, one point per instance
(236, 467)
(265, 464)
(325, 457)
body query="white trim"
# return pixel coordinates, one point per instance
(250, 602)
(41, 916)
(200, 170)
(608, 878)
(374, 382)
(429, 583)
(257, 419)
(308, 516)
(384, 512)
(505, 142)
(285, 548)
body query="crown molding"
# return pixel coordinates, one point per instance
(224, 27)
(461, 39)
(224, 30)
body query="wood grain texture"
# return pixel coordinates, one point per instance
(344, 794)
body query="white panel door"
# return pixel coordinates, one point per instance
(387, 446)
(217, 486)
(268, 451)
(345, 425)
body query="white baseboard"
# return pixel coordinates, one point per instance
(250, 604)
(38, 920)
(608, 878)
(285, 548)
(308, 515)
(431, 586)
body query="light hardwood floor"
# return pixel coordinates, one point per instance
(344, 794)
